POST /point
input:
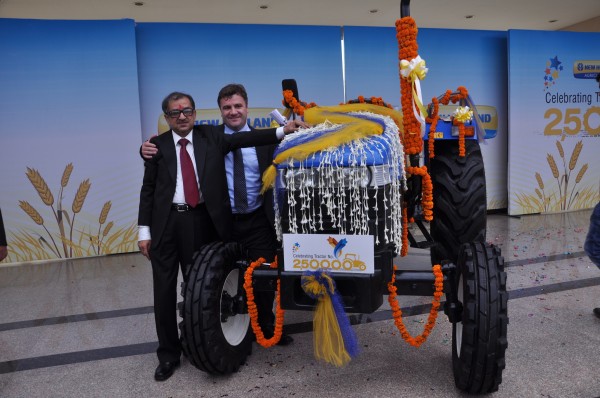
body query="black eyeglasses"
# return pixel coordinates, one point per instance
(187, 112)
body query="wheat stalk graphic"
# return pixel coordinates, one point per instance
(567, 195)
(108, 239)
(80, 196)
(101, 221)
(37, 218)
(60, 214)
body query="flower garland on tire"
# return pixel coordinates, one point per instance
(435, 305)
(427, 201)
(253, 310)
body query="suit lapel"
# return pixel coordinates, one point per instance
(170, 155)
(200, 146)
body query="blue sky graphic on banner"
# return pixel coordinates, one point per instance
(69, 112)
(201, 58)
(472, 58)
(554, 121)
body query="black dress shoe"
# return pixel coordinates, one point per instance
(165, 370)
(597, 312)
(285, 339)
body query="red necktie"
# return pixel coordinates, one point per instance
(190, 186)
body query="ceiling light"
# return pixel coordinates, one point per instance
(553, 20)
(373, 11)
(264, 7)
(469, 16)
(138, 3)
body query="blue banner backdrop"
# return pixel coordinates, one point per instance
(201, 58)
(69, 133)
(554, 123)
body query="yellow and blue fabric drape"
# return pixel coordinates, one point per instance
(345, 128)
(333, 337)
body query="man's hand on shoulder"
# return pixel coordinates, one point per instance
(148, 149)
(293, 126)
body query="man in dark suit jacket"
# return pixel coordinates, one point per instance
(171, 228)
(253, 213)
(3, 243)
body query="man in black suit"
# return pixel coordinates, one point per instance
(176, 219)
(3, 244)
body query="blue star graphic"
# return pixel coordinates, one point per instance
(554, 62)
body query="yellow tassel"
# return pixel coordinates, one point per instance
(327, 337)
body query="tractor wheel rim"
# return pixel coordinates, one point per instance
(459, 325)
(236, 326)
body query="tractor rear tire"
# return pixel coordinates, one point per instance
(479, 338)
(459, 199)
(214, 342)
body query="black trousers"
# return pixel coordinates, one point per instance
(257, 237)
(184, 233)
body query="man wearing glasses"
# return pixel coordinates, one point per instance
(184, 203)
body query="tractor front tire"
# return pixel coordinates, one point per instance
(479, 338)
(213, 338)
(459, 198)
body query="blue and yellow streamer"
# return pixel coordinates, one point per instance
(333, 337)
(300, 146)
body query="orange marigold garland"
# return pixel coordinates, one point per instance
(406, 34)
(427, 201)
(461, 138)
(297, 106)
(404, 250)
(253, 310)
(433, 119)
(460, 95)
(372, 100)
(435, 305)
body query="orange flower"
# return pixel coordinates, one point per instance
(297, 106)
(435, 305)
(253, 310)
(427, 200)
(406, 34)
(433, 120)
(372, 100)
(404, 250)
(461, 94)
(461, 138)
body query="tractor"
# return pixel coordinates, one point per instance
(345, 209)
